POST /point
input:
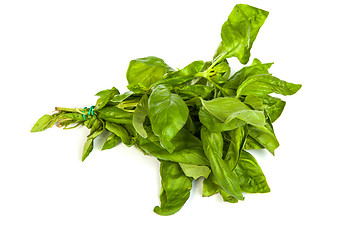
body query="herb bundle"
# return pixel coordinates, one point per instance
(198, 121)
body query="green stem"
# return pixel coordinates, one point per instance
(62, 109)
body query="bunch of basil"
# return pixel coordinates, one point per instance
(197, 121)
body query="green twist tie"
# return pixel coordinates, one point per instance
(91, 112)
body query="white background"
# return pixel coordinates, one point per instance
(60, 53)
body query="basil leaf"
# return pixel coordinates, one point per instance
(216, 125)
(43, 123)
(118, 98)
(146, 71)
(265, 137)
(251, 177)
(188, 148)
(226, 109)
(195, 91)
(115, 115)
(256, 68)
(175, 189)
(119, 131)
(240, 30)
(238, 137)
(140, 113)
(112, 141)
(168, 114)
(264, 84)
(273, 106)
(105, 97)
(210, 186)
(195, 171)
(88, 147)
(213, 148)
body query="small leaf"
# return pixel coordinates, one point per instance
(195, 171)
(119, 131)
(112, 141)
(88, 147)
(140, 113)
(175, 189)
(43, 123)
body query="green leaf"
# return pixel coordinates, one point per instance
(195, 171)
(118, 98)
(216, 125)
(240, 30)
(88, 147)
(238, 137)
(188, 148)
(251, 177)
(256, 68)
(265, 137)
(175, 189)
(273, 106)
(264, 84)
(140, 113)
(119, 131)
(112, 141)
(226, 109)
(105, 97)
(146, 71)
(195, 91)
(168, 114)
(210, 186)
(115, 115)
(213, 148)
(43, 123)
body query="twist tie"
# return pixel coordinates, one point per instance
(90, 113)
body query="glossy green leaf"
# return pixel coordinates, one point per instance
(210, 186)
(213, 148)
(256, 68)
(226, 109)
(43, 123)
(250, 175)
(112, 141)
(168, 113)
(146, 71)
(195, 91)
(195, 171)
(175, 189)
(118, 98)
(188, 148)
(237, 142)
(211, 122)
(119, 131)
(240, 30)
(264, 84)
(274, 106)
(104, 97)
(265, 137)
(115, 115)
(140, 113)
(88, 147)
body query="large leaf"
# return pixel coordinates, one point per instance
(255, 68)
(213, 148)
(146, 70)
(226, 109)
(188, 148)
(175, 188)
(168, 113)
(250, 175)
(237, 143)
(265, 137)
(140, 113)
(240, 30)
(264, 84)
